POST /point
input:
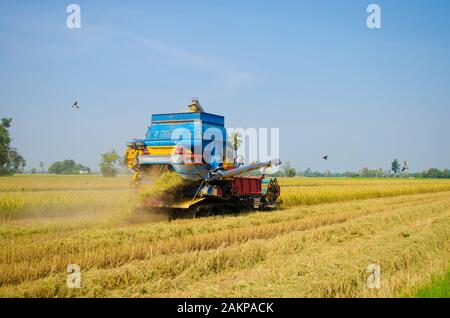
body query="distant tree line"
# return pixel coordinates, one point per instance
(288, 171)
(11, 161)
(365, 172)
(109, 166)
(432, 173)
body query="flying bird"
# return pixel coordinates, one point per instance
(325, 157)
(75, 105)
(405, 166)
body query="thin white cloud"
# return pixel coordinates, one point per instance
(231, 79)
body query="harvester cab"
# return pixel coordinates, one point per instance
(194, 146)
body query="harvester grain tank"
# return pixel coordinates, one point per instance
(215, 181)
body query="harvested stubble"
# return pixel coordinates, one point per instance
(306, 250)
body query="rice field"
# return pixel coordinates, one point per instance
(318, 245)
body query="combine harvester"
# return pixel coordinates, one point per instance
(213, 185)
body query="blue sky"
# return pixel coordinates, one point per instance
(311, 68)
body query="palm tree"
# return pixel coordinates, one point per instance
(236, 141)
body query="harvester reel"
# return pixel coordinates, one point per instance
(148, 174)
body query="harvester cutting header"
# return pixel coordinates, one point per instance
(194, 145)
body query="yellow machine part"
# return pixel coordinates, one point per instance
(161, 150)
(130, 156)
(228, 165)
(135, 177)
(186, 204)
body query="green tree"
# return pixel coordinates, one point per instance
(16, 161)
(11, 161)
(308, 172)
(68, 167)
(380, 173)
(350, 174)
(4, 143)
(365, 172)
(433, 173)
(395, 166)
(288, 171)
(109, 166)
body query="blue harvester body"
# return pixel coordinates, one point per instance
(194, 145)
